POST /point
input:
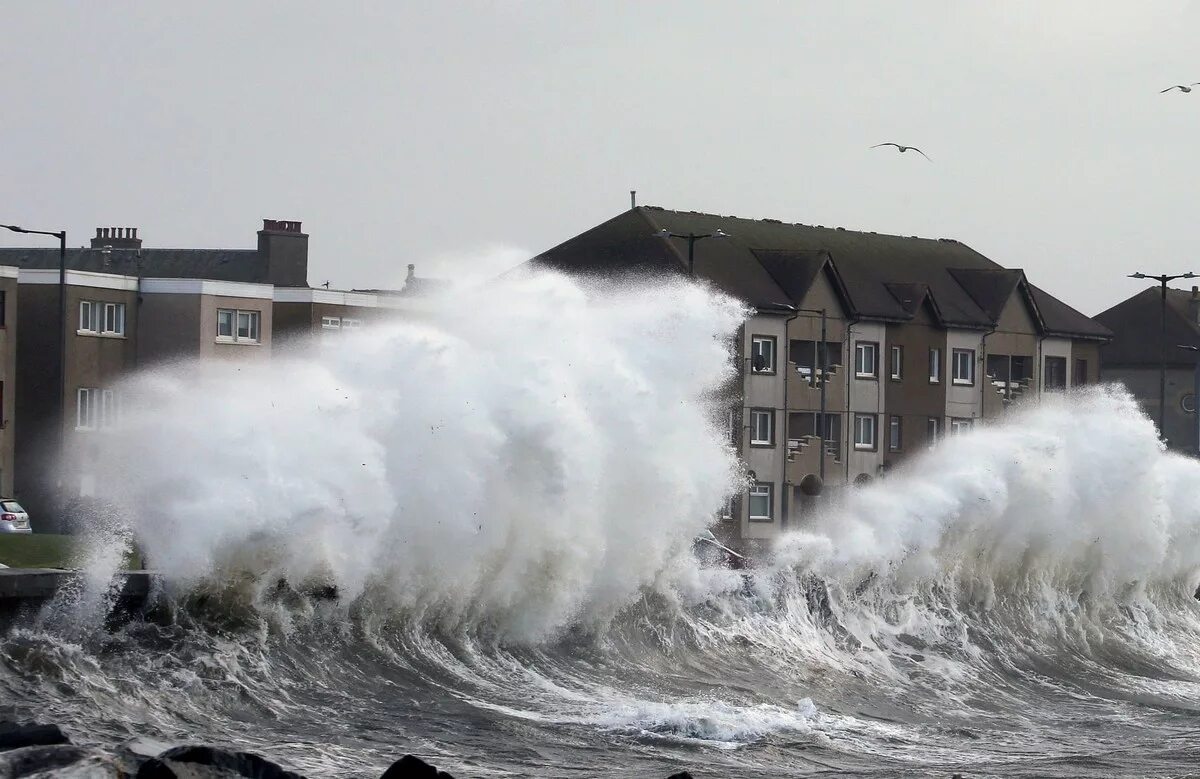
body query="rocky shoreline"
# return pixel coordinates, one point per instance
(41, 751)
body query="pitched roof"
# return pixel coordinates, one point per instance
(1136, 323)
(990, 288)
(218, 264)
(769, 264)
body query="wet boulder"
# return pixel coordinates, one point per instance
(15, 736)
(199, 762)
(58, 760)
(412, 767)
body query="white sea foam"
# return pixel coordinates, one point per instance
(529, 453)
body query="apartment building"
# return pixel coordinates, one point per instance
(1133, 358)
(128, 307)
(863, 350)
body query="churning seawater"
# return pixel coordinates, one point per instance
(504, 489)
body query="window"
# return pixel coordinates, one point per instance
(110, 408)
(87, 411)
(807, 356)
(331, 323)
(247, 326)
(87, 322)
(96, 409)
(762, 427)
(935, 366)
(96, 318)
(864, 431)
(1055, 376)
(895, 437)
(932, 426)
(866, 360)
(964, 366)
(897, 363)
(760, 502)
(733, 427)
(237, 326)
(727, 509)
(1079, 379)
(114, 318)
(960, 426)
(351, 323)
(3, 310)
(762, 354)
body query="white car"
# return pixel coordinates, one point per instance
(13, 518)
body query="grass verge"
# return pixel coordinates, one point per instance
(47, 550)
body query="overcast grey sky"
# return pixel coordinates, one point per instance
(463, 136)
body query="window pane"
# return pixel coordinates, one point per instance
(224, 323)
(894, 433)
(897, 361)
(254, 325)
(935, 365)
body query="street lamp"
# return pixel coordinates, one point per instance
(691, 238)
(1162, 342)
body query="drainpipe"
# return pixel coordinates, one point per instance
(783, 482)
(848, 418)
(982, 375)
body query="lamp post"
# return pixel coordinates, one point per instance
(691, 238)
(1162, 341)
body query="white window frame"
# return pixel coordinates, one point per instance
(763, 345)
(961, 425)
(863, 442)
(726, 511)
(762, 489)
(351, 324)
(89, 321)
(117, 312)
(933, 425)
(897, 364)
(254, 327)
(95, 316)
(895, 434)
(331, 323)
(87, 411)
(756, 415)
(965, 359)
(861, 349)
(935, 365)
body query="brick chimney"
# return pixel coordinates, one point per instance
(285, 248)
(116, 238)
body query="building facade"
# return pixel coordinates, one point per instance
(1134, 358)
(129, 308)
(864, 349)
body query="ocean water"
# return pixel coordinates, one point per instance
(505, 489)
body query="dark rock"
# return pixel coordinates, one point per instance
(41, 759)
(197, 762)
(680, 775)
(411, 767)
(14, 736)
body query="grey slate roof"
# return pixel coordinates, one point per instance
(217, 264)
(769, 264)
(1136, 324)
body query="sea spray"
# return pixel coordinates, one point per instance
(528, 454)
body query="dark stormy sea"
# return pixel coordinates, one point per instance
(506, 496)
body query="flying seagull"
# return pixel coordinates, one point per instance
(903, 149)
(1181, 87)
